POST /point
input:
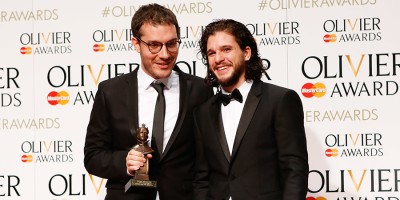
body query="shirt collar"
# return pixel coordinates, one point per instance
(145, 80)
(244, 88)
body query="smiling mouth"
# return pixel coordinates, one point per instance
(163, 65)
(221, 68)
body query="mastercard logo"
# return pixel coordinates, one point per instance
(316, 198)
(26, 158)
(329, 38)
(25, 50)
(313, 90)
(331, 152)
(98, 47)
(55, 98)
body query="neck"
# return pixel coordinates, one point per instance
(230, 88)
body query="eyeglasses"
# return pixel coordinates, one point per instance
(155, 47)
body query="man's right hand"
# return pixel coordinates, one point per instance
(135, 160)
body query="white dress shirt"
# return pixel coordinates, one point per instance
(147, 101)
(147, 97)
(231, 114)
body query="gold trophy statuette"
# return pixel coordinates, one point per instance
(141, 177)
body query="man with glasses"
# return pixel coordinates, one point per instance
(155, 47)
(125, 102)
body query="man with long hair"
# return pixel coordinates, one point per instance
(250, 137)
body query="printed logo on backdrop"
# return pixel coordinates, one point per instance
(350, 76)
(57, 151)
(354, 145)
(29, 15)
(341, 115)
(354, 184)
(58, 98)
(75, 80)
(276, 33)
(40, 123)
(76, 85)
(112, 40)
(266, 5)
(45, 43)
(71, 83)
(190, 35)
(355, 75)
(10, 185)
(352, 30)
(75, 185)
(116, 40)
(9, 87)
(183, 8)
(313, 90)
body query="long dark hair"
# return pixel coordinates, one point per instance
(254, 66)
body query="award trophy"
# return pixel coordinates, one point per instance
(141, 177)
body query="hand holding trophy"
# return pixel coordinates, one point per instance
(141, 177)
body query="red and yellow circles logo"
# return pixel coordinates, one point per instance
(331, 152)
(26, 158)
(330, 38)
(25, 50)
(316, 198)
(313, 90)
(55, 98)
(98, 47)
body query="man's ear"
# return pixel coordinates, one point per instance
(135, 43)
(247, 53)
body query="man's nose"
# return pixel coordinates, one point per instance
(164, 53)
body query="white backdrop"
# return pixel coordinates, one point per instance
(341, 56)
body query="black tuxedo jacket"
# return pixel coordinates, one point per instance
(269, 158)
(111, 134)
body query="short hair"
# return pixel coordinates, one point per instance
(154, 14)
(254, 67)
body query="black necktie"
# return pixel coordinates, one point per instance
(158, 120)
(226, 98)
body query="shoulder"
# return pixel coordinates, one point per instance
(275, 91)
(270, 87)
(191, 77)
(197, 83)
(117, 82)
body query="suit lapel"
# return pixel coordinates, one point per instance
(185, 85)
(249, 108)
(216, 116)
(133, 101)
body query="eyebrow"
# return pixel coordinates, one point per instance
(221, 47)
(209, 50)
(171, 40)
(227, 45)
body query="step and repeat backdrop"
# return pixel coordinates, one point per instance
(341, 56)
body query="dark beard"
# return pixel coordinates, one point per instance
(233, 79)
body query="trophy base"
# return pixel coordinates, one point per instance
(140, 183)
